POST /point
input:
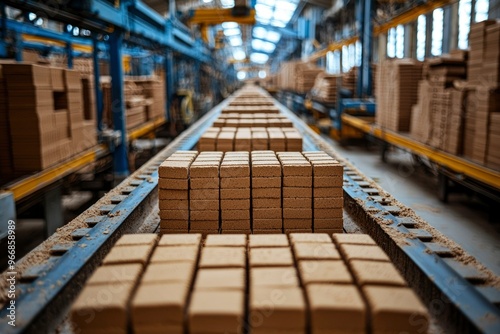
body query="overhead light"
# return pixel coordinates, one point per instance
(239, 54)
(232, 32)
(282, 5)
(259, 32)
(262, 74)
(278, 24)
(229, 25)
(235, 41)
(207, 1)
(259, 58)
(241, 75)
(227, 3)
(273, 36)
(270, 3)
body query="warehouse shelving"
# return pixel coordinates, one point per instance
(453, 167)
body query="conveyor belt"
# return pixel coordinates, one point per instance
(425, 262)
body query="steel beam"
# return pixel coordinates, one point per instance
(120, 153)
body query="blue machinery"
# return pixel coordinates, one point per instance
(130, 22)
(458, 294)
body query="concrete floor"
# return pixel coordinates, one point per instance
(462, 219)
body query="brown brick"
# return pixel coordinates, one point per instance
(297, 230)
(235, 214)
(328, 202)
(266, 202)
(266, 182)
(266, 193)
(204, 215)
(327, 169)
(291, 223)
(174, 224)
(267, 231)
(174, 214)
(268, 213)
(223, 257)
(324, 271)
(363, 252)
(297, 192)
(204, 171)
(376, 273)
(235, 194)
(174, 169)
(264, 224)
(204, 194)
(240, 224)
(271, 240)
(299, 169)
(270, 257)
(297, 202)
(302, 213)
(180, 239)
(266, 170)
(237, 169)
(178, 184)
(235, 183)
(328, 223)
(173, 204)
(355, 239)
(198, 204)
(298, 181)
(328, 213)
(235, 204)
(328, 192)
(203, 225)
(173, 194)
(204, 183)
(312, 251)
(328, 182)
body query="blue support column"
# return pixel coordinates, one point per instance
(197, 77)
(120, 158)
(18, 46)
(3, 32)
(97, 85)
(170, 81)
(364, 24)
(69, 48)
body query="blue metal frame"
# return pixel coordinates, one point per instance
(120, 153)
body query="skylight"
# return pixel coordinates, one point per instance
(239, 54)
(259, 58)
(227, 3)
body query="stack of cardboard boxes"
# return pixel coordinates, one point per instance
(254, 109)
(325, 88)
(235, 193)
(173, 192)
(297, 192)
(349, 80)
(204, 195)
(297, 76)
(250, 120)
(397, 82)
(46, 117)
(266, 193)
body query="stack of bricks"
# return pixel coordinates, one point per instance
(313, 283)
(328, 194)
(297, 192)
(250, 120)
(204, 195)
(257, 109)
(266, 193)
(173, 192)
(235, 193)
(228, 139)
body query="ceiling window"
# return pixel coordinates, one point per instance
(482, 8)
(421, 26)
(391, 43)
(464, 12)
(400, 41)
(437, 32)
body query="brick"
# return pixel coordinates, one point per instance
(266, 170)
(310, 238)
(187, 253)
(128, 254)
(355, 239)
(266, 182)
(273, 277)
(220, 279)
(204, 183)
(235, 194)
(199, 205)
(299, 169)
(271, 240)
(267, 213)
(270, 257)
(235, 214)
(328, 192)
(328, 202)
(301, 213)
(327, 213)
(226, 241)
(391, 307)
(298, 181)
(336, 309)
(137, 239)
(329, 223)
(173, 204)
(266, 202)
(237, 169)
(175, 224)
(235, 183)
(235, 204)
(297, 192)
(327, 169)
(223, 257)
(266, 231)
(180, 239)
(302, 223)
(297, 202)
(324, 271)
(178, 184)
(328, 181)
(232, 225)
(174, 169)
(376, 273)
(266, 193)
(204, 171)
(173, 194)
(266, 224)
(116, 274)
(204, 215)
(311, 251)
(216, 312)
(204, 194)
(363, 252)
(203, 225)
(328, 230)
